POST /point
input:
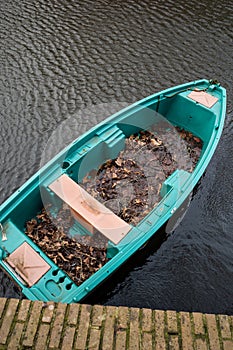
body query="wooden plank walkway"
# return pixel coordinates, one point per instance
(36, 325)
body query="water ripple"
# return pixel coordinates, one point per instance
(60, 57)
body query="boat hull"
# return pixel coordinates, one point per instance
(201, 113)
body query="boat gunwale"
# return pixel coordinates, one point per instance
(128, 249)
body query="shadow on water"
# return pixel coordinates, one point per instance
(103, 293)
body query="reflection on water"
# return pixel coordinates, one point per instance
(59, 58)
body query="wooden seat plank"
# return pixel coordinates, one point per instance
(92, 212)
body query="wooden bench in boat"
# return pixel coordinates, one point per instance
(88, 211)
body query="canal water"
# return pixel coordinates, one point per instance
(62, 60)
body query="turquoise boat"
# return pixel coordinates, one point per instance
(198, 107)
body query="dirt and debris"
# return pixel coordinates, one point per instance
(128, 185)
(78, 260)
(193, 144)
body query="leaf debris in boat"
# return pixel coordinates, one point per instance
(130, 184)
(76, 259)
(127, 185)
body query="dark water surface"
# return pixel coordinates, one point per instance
(60, 57)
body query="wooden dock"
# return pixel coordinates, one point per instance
(36, 325)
